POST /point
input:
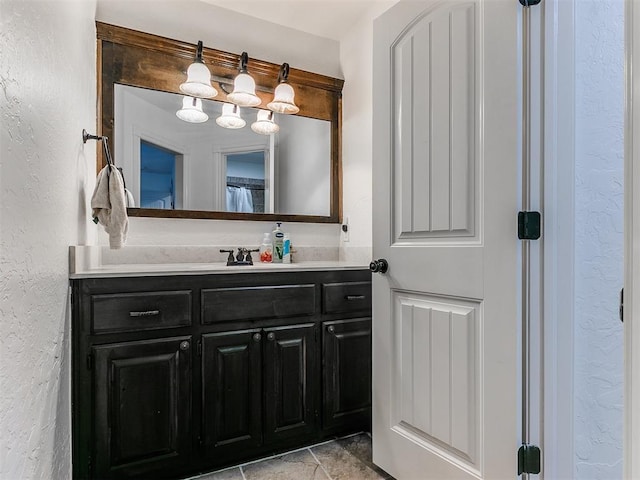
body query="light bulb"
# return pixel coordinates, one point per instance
(283, 100)
(191, 111)
(264, 124)
(198, 82)
(244, 91)
(230, 117)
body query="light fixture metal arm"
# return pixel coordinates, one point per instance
(242, 64)
(283, 75)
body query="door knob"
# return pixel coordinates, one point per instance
(379, 266)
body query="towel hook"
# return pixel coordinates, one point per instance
(87, 136)
(105, 144)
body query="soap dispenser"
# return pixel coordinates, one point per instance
(266, 255)
(278, 243)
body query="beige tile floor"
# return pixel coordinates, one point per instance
(347, 458)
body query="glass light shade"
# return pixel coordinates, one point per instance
(283, 100)
(191, 111)
(244, 91)
(230, 117)
(198, 82)
(264, 124)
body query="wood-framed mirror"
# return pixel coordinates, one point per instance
(175, 169)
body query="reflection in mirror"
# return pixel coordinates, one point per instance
(172, 164)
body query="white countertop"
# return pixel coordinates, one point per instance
(86, 264)
(135, 270)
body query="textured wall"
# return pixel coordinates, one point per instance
(599, 240)
(47, 75)
(356, 56)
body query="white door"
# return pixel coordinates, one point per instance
(445, 366)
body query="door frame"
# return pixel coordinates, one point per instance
(559, 105)
(632, 243)
(558, 113)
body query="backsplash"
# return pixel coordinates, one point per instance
(201, 254)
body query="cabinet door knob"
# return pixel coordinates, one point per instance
(271, 336)
(331, 329)
(184, 345)
(257, 337)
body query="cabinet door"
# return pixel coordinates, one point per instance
(346, 346)
(142, 394)
(291, 382)
(232, 391)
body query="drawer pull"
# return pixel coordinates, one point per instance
(271, 336)
(257, 337)
(354, 297)
(184, 345)
(331, 329)
(148, 313)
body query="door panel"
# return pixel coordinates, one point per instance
(232, 390)
(446, 176)
(437, 386)
(291, 383)
(434, 100)
(143, 405)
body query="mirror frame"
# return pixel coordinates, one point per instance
(139, 59)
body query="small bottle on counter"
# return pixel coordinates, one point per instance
(278, 244)
(286, 249)
(266, 254)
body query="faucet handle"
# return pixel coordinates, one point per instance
(248, 258)
(230, 259)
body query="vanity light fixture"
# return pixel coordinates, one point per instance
(198, 82)
(283, 97)
(264, 124)
(191, 111)
(230, 117)
(244, 86)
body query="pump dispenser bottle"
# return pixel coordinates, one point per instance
(266, 249)
(278, 243)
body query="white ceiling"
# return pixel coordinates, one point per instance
(325, 18)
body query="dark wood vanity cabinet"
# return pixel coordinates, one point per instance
(170, 379)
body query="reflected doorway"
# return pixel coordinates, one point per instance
(245, 181)
(160, 177)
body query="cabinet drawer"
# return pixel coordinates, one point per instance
(246, 303)
(125, 312)
(346, 297)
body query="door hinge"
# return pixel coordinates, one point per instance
(622, 305)
(89, 361)
(199, 347)
(528, 459)
(528, 225)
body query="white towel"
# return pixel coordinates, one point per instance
(109, 205)
(131, 202)
(239, 200)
